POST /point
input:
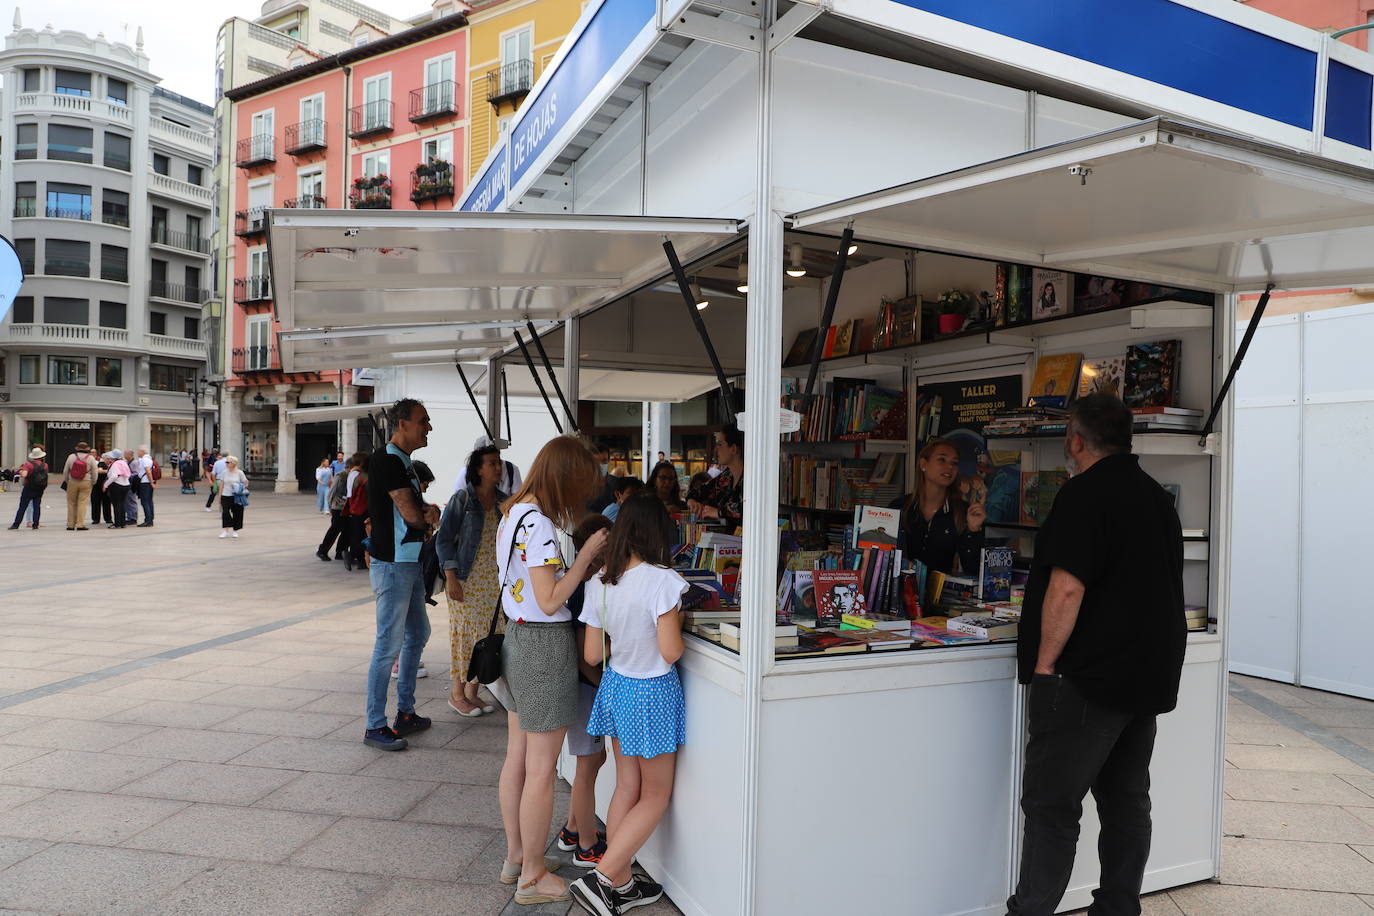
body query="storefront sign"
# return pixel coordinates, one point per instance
(325, 398)
(68, 425)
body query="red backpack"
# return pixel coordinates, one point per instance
(79, 468)
(155, 472)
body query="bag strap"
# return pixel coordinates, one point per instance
(496, 612)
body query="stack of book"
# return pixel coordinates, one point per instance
(1196, 616)
(844, 409)
(1166, 419)
(1027, 421)
(784, 635)
(822, 641)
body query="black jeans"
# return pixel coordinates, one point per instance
(99, 504)
(230, 513)
(357, 532)
(117, 496)
(210, 497)
(1079, 745)
(338, 530)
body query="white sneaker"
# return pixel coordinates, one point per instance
(234, 535)
(223, 534)
(421, 671)
(208, 509)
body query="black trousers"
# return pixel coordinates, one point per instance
(338, 530)
(1078, 745)
(356, 533)
(145, 498)
(210, 497)
(230, 513)
(116, 497)
(100, 505)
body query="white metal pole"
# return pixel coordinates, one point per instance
(763, 390)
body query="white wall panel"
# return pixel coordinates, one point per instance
(1057, 121)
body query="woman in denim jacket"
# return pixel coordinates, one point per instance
(466, 546)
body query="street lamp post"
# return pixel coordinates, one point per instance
(196, 389)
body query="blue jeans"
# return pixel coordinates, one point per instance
(321, 497)
(145, 496)
(32, 497)
(402, 628)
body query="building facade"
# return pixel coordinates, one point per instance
(106, 196)
(380, 125)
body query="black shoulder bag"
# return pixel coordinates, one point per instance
(485, 666)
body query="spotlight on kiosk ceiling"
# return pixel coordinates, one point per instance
(743, 274)
(795, 267)
(698, 297)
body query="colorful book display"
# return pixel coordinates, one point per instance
(1152, 374)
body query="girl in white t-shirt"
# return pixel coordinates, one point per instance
(636, 602)
(539, 654)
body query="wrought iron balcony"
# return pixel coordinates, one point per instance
(67, 213)
(253, 289)
(305, 137)
(431, 180)
(510, 83)
(370, 118)
(254, 151)
(179, 292)
(371, 193)
(306, 202)
(250, 222)
(437, 100)
(255, 359)
(161, 235)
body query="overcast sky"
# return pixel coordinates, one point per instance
(178, 36)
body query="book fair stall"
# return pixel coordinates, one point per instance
(845, 295)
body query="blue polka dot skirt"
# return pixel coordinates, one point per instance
(648, 715)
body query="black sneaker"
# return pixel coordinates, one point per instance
(643, 893)
(589, 858)
(323, 555)
(408, 723)
(567, 840)
(594, 897)
(384, 739)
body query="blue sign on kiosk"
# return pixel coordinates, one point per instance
(11, 276)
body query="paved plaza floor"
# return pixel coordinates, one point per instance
(181, 721)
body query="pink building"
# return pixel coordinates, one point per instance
(379, 126)
(1324, 16)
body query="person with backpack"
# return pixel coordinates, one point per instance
(147, 473)
(100, 503)
(78, 475)
(117, 481)
(337, 535)
(33, 477)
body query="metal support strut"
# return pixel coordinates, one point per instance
(726, 395)
(548, 367)
(473, 398)
(832, 295)
(505, 400)
(538, 382)
(1250, 330)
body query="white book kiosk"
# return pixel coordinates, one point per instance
(881, 782)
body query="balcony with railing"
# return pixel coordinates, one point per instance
(306, 202)
(437, 100)
(370, 119)
(305, 137)
(431, 180)
(176, 346)
(177, 292)
(66, 267)
(373, 193)
(510, 83)
(161, 235)
(252, 289)
(181, 190)
(62, 334)
(82, 213)
(255, 151)
(25, 206)
(255, 359)
(250, 222)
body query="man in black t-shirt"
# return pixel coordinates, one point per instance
(1101, 644)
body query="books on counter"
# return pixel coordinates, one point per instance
(844, 408)
(1195, 616)
(1038, 492)
(994, 573)
(837, 593)
(820, 642)
(1055, 380)
(984, 627)
(1104, 375)
(783, 635)
(890, 622)
(935, 631)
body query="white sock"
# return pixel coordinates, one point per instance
(602, 878)
(626, 887)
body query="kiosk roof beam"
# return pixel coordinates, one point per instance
(1250, 330)
(685, 287)
(832, 296)
(548, 367)
(537, 381)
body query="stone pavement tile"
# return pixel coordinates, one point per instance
(1363, 782)
(1299, 759)
(12, 754)
(1341, 718)
(9, 659)
(1303, 866)
(1268, 734)
(1368, 899)
(13, 679)
(13, 849)
(85, 817)
(1324, 700)
(451, 899)
(1313, 823)
(1227, 900)
(248, 834)
(287, 723)
(76, 734)
(305, 661)
(1295, 787)
(153, 688)
(171, 670)
(95, 880)
(83, 664)
(216, 783)
(1284, 694)
(437, 735)
(14, 796)
(275, 889)
(400, 849)
(109, 648)
(1364, 737)
(191, 744)
(333, 681)
(341, 704)
(478, 806)
(263, 697)
(248, 677)
(34, 644)
(177, 714)
(336, 793)
(478, 738)
(245, 658)
(436, 765)
(313, 755)
(80, 770)
(1236, 711)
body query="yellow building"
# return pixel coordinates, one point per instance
(511, 43)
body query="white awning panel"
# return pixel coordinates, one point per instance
(458, 280)
(330, 414)
(1157, 201)
(611, 384)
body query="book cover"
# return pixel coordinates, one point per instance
(837, 593)
(800, 354)
(1151, 374)
(726, 567)
(828, 345)
(1001, 470)
(803, 594)
(1056, 379)
(784, 608)
(906, 321)
(820, 642)
(1018, 293)
(935, 631)
(885, 469)
(1093, 294)
(844, 339)
(1103, 375)
(994, 575)
(880, 640)
(875, 527)
(984, 627)
(1051, 293)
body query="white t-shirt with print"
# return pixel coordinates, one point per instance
(628, 611)
(536, 544)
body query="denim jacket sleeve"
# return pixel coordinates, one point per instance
(449, 526)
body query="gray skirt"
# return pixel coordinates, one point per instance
(539, 663)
